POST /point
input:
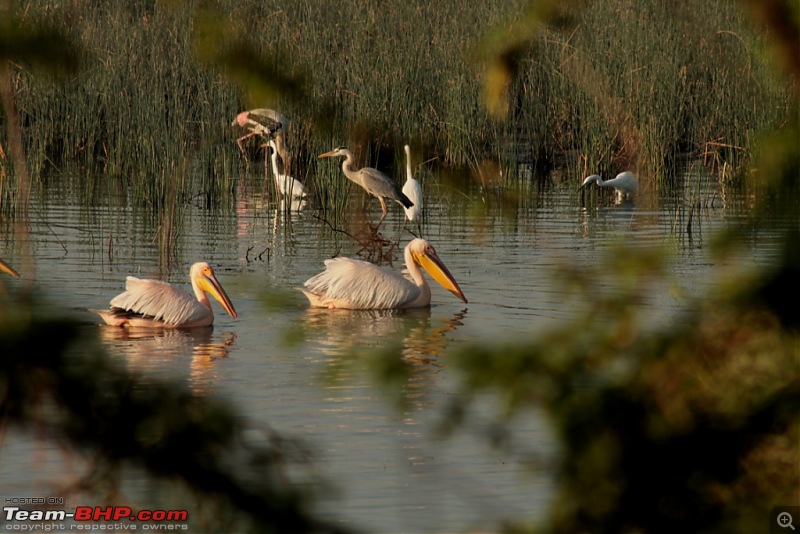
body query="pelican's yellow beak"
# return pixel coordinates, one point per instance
(434, 266)
(6, 268)
(210, 284)
(327, 154)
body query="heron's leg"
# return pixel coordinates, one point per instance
(385, 210)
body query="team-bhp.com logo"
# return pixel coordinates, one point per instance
(149, 519)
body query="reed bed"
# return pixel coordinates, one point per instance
(636, 85)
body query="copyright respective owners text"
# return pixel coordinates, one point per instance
(784, 519)
(54, 514)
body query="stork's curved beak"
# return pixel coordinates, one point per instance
(434, 266)
(211, 285)
(6, 268)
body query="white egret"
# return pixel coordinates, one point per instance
(287, 186)
(359, 285)
(625, 184)
(372, 180)
(412, 190)
(156, 304)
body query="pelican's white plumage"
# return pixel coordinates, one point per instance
(625, 183)
(412, 190)
(287, 186)
(359, 285)
(153, 303)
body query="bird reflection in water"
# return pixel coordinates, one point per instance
(161, 352)
(353, 336)
(619, 217)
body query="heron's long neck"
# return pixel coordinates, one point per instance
(348, 170)
(409, 174)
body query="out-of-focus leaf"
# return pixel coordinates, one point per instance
(37, 46)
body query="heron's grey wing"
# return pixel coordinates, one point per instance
(361, 285)
(378, 184)
(157, 299)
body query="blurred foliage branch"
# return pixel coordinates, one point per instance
(694, 425)
(57, 383)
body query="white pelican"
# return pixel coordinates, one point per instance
(266, 123)
(287, 186)
(625, 184)
(156, 304)
(372, 180)
(358, 285)
(6, 268)
(412, 190)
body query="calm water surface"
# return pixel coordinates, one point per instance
(388, 470)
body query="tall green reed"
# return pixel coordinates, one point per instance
(627, 85)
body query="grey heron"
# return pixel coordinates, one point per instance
(372, 180)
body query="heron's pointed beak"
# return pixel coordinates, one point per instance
(6, 268)
(210, 284)
(327, 154)
(434, 266)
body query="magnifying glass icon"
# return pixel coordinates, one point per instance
(785, 520)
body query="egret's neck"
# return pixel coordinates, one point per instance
(280, 146)
(274, 158)
(409, 174)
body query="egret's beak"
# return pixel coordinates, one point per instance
(209, 284)
(327, 154)
(6, 268)
(434, 266)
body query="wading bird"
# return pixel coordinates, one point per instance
(6, 268)
(412, 190)
(267, 123)
(372, 180)
(358, 285)
(625, 184)
(156, 304)
(287, 186)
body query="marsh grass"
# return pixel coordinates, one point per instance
(626, 85)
